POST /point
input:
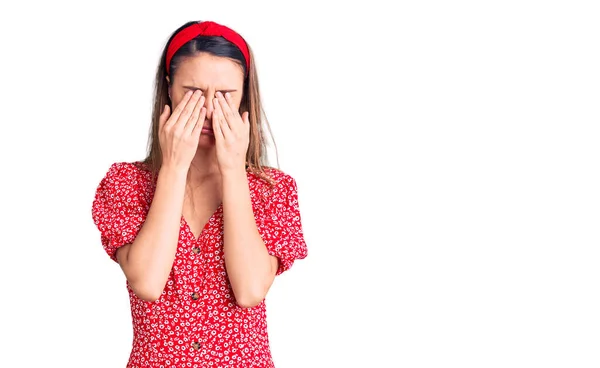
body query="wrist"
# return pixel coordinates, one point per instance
(235, 187)
(176, 172)
(234, 180)
(234, 174)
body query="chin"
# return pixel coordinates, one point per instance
(206, 141)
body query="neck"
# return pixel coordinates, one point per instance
(204, 167)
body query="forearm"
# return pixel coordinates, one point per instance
(149, 260)
(250, 268)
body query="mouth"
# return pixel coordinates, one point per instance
(207, 130)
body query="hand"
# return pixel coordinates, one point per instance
(232, 134)
(179, 133)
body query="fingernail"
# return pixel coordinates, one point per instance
(228, 95)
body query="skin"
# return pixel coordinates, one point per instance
(204, 143)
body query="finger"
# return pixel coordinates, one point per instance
(164, 116)
(193, 120)
(188, 109)
(231, 103)
(217, 126)
(197, 131)
(229, 114)
(177, 111)
(221, 121)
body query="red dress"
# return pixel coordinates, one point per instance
(196, 321)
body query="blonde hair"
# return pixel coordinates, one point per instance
(256, 156)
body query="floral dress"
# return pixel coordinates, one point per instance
(196, 321)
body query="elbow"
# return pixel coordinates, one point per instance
(250, 289)
(248, 302)
(146, 291)
(145, 285)
(148, 296)
(249, 299)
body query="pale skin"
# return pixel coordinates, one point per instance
(204, 143)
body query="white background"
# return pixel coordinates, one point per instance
(446, 154)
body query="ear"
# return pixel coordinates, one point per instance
(169, 84)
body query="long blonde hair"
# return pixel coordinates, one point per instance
(256, 156)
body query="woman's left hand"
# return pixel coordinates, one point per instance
(232, 134)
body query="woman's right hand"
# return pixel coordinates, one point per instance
(179, 132)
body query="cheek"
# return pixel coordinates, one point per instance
(176, 98)
(237, 102)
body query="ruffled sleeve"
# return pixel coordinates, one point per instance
(120, 206)
(281, 227)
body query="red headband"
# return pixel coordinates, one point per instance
(207, 29)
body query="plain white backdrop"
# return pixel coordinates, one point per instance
(446, 154)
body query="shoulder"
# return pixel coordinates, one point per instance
(127, 177)
(135, 170)
(273, 179)
(279, 176)
(273, 186)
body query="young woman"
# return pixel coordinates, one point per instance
(202, 226)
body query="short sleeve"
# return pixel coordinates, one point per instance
(119, 207)
(281, 225)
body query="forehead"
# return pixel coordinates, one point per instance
(205, 70)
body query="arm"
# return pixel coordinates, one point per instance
(148, 260)
(250, 267)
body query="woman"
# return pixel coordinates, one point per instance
(202, 226)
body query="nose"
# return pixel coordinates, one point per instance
(208, 103)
